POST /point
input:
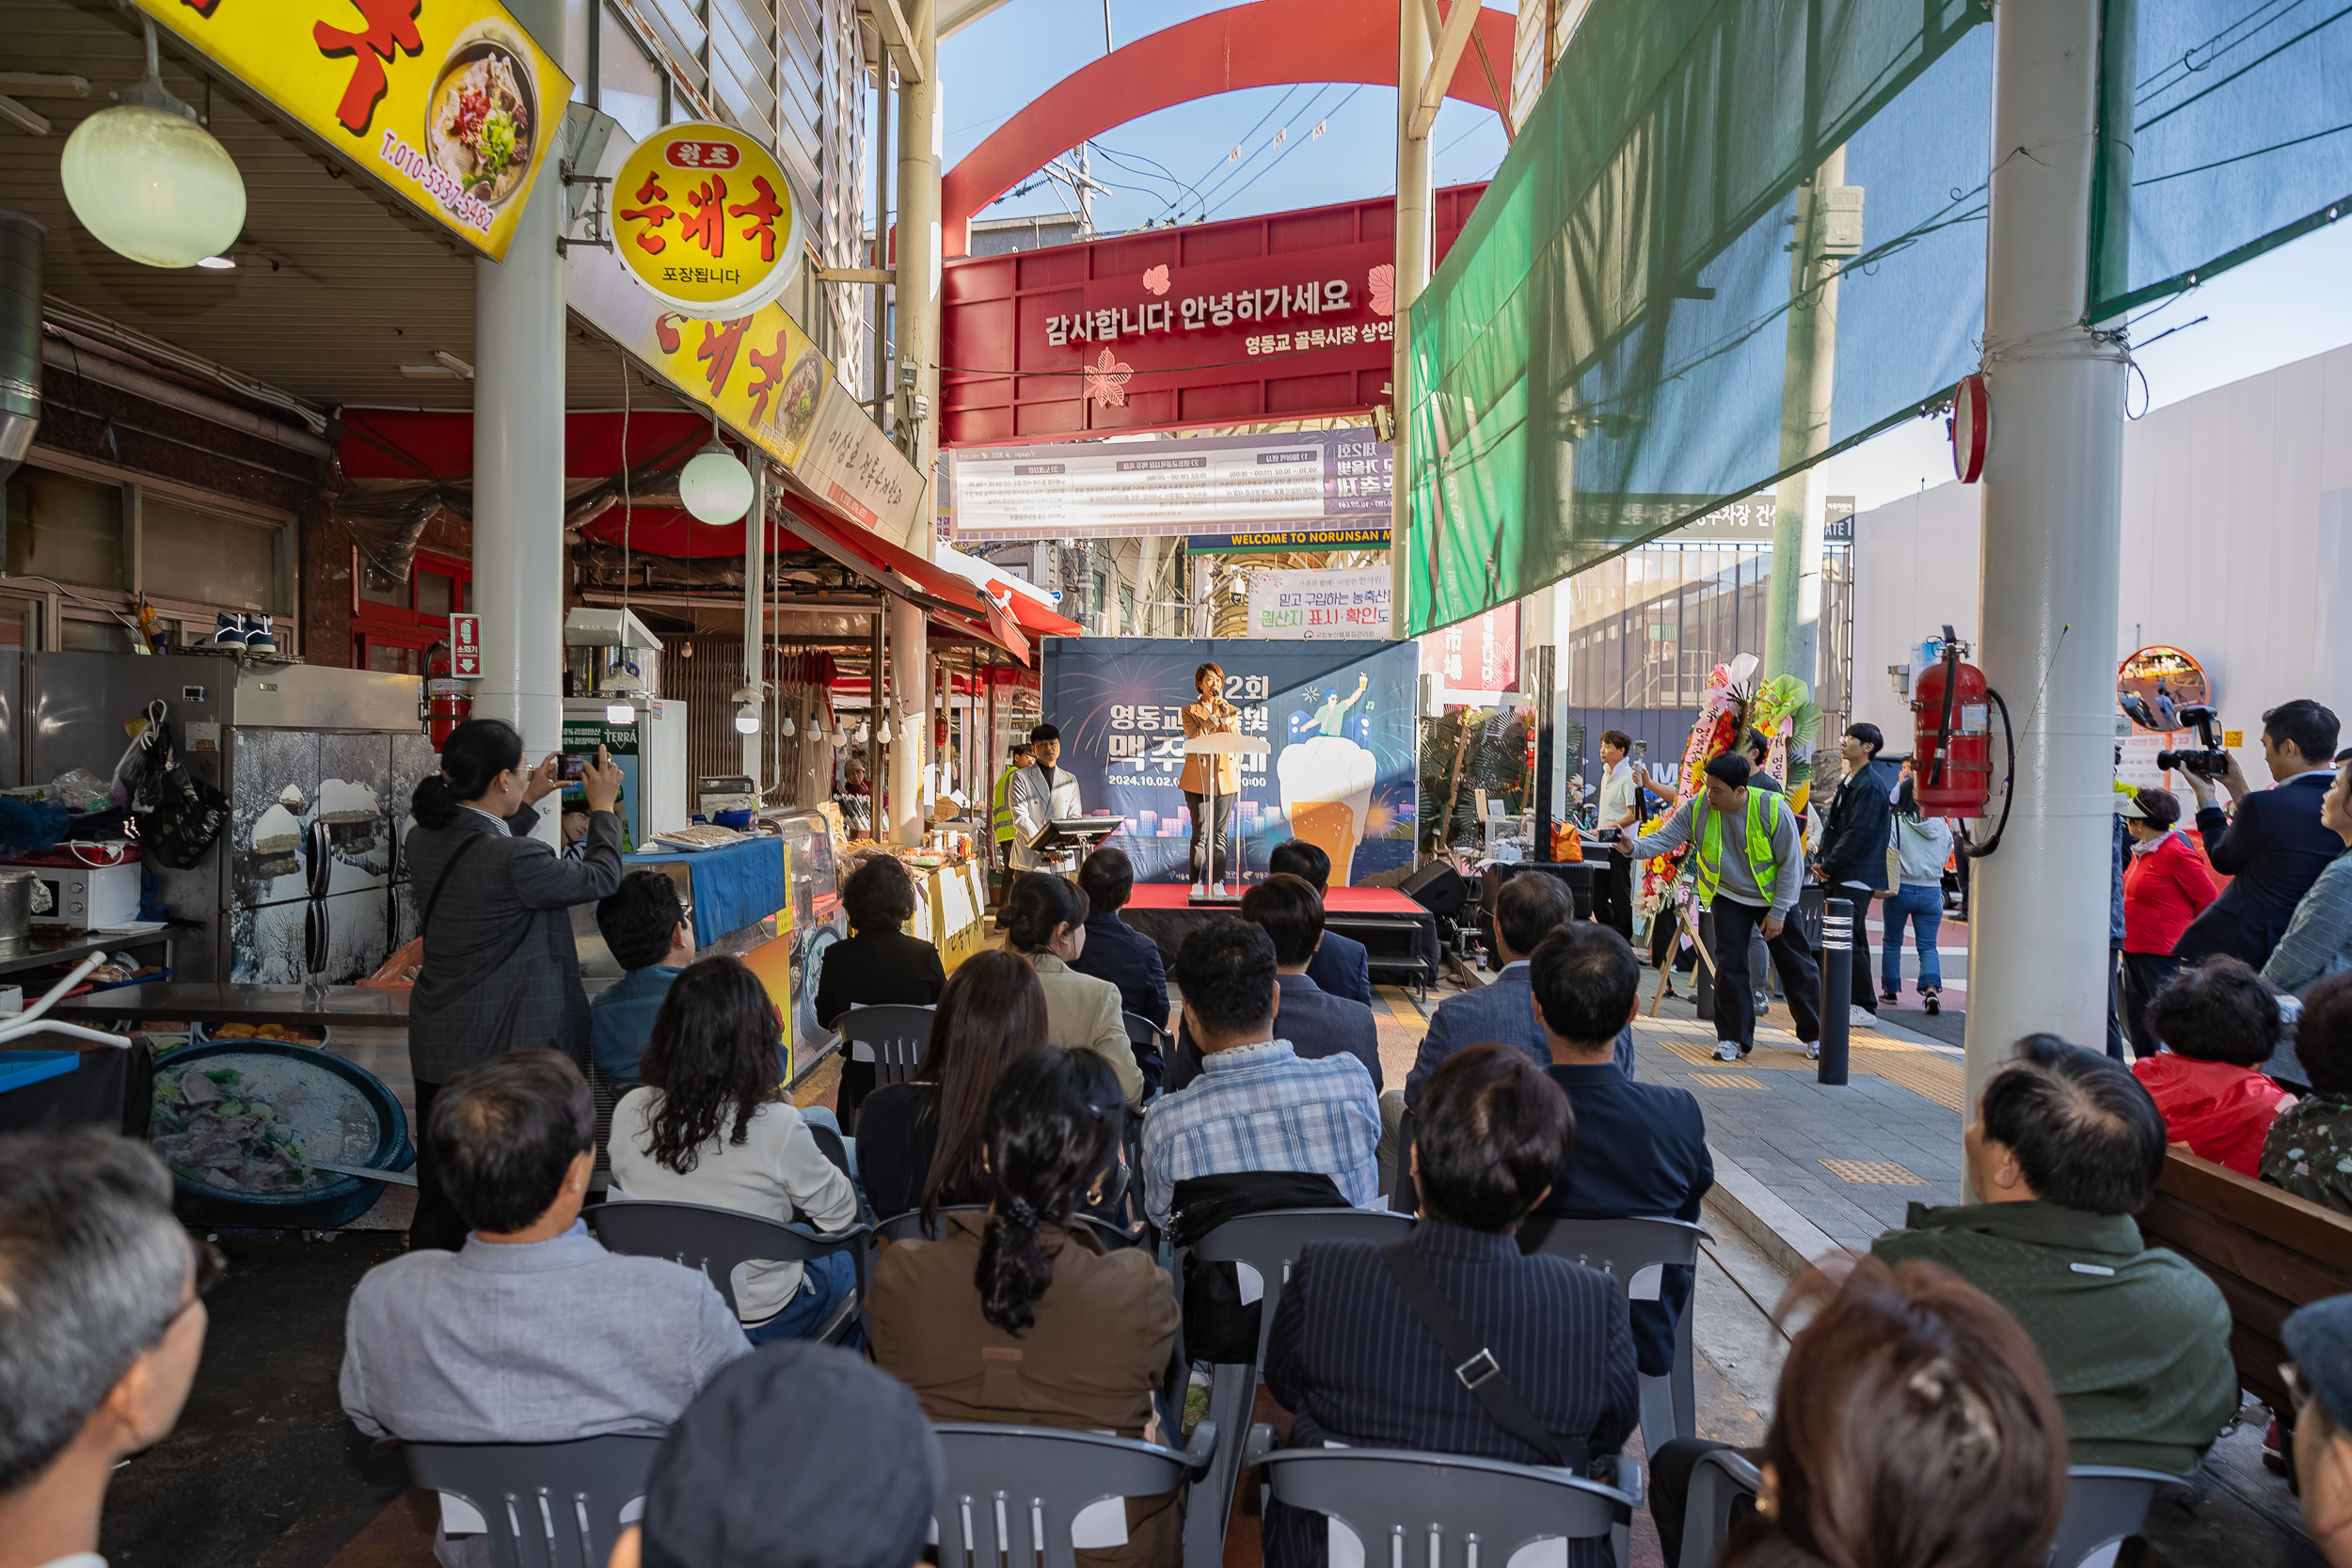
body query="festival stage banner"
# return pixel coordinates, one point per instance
(1339, 715)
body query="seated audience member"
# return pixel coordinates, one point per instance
(918, 1144)
(801, 1456)
(712, 1127)
(2219, 1023)
(2308, 1149)
(463, 1347)
(1020, 1315)
(2167, 885)
(650, 931)
(1640, 1149)
(2318, 939)
(1340, 966)
(1317, 1024)
(1362, 1365)
(1913, 1428)
(1258, 1105)
(1046, 922)
(102, 1325)
(2319, 1337)
(1115, 951)
(1529, 908)
(2065, 1149)
(876, 965)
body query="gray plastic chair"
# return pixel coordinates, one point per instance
(1717, 1481)
(891, 1037)
(716, 1240)
(1014, 1490)
(1270, 1243)
(1633, 1252)
(2105, 1503)
(908, 1227)
(1448, 1511)
(548, 1505)
(1404, 1191)
(1143, 1034)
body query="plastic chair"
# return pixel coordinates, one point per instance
(1446, 1511)
(1145, 1035)
(891, 1037)
(1269, 1244)
(1404, 1191)
(2105, 1503)
(1635, 1253)
(1014, 1492)
(1719, 1480)
(908, 1227)
(716, 1240)
(545, 1505)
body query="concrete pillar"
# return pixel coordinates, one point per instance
(2053, 504)
(920, 135)
(1792, 621)
(519, 557)
(1415, 205)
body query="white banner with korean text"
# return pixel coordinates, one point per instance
(1350, 603)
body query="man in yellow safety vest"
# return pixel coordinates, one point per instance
(1749, 865)
(1001, 815)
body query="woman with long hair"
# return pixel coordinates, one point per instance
(877, 964)
(1020, 1314)
(1044, 919)
(493, 906)
(919, 1142)
(712, 1126)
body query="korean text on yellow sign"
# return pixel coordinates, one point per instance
(703, 217)
(449, 102)
(759, 371)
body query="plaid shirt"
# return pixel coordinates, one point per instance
(1263, 1107)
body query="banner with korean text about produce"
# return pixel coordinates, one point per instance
(447, 103)
(1321, 605)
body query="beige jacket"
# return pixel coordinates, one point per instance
(1082, 1013)
(1196, 774)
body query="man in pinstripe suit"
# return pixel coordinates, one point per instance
(1354, 1358)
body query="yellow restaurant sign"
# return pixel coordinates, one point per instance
(448, 103)
(703, 217)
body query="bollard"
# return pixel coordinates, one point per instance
(1703, 978)
(1836, 987)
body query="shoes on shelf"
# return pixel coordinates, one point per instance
(229, 629)
(259, 635)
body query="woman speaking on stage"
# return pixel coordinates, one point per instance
(1210, 780)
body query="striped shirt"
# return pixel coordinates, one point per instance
(1263, 1107)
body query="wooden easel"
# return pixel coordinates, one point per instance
(1666, 970)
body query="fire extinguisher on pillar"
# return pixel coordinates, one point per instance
(1951, 763)
(449, 703)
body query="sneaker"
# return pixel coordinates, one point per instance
(1813, 1051)
(1888, 996)
(1726, 1051)
(1933, 1003)
(229, 628)
(1763, 1000)
(1861, 1017)
(259, 636)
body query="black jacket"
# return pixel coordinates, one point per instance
(2274, 850)
(871, 969)
(1117, 952)
(1861, 825)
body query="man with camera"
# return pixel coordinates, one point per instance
(2274, 844)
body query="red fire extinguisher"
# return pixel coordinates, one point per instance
(1951, 766)
(449, 702)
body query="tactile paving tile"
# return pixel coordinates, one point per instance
(1872, 1173)
(1727, 1079)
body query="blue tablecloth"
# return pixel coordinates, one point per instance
(734, 887)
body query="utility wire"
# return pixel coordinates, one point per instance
(1235, 195)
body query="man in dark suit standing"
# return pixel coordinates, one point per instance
(1316, 1023)
(1115, 951)
(1640, 1149)
(1340, 967)
(1361, 1360)
(1854, 841)
(2275, 848)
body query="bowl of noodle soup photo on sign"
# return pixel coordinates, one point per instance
(482, 115)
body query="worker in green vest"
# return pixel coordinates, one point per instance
(1000, 807)
(1748, 861)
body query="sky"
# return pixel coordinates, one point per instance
(1220, 156)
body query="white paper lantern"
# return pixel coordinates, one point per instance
(715, 485)
(155, 186)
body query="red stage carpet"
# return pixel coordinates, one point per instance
(1336, 901)
(1399, 936)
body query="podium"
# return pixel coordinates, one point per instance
(1068, 840)
(1217, 744)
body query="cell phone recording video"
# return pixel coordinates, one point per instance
(574, 769)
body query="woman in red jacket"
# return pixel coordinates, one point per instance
(2220, 1022)
(2167, 885)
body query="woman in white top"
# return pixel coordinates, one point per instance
(1046, 922)
(712, 1126)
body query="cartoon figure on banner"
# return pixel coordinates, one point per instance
(1327, 778)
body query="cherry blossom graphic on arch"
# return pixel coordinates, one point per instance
(1156, 278)
(1105, 379)
(1381, 284)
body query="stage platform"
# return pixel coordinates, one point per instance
(1400, 937)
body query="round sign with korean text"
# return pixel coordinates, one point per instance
(703, 217)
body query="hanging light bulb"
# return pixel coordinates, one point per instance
(864, 730)
(840, 737)
(714, 485)
(619, 713)
(621, 690)
(746, 719)
(149, 182)
(885, 729)
(788, 728)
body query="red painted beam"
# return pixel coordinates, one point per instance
(1264, 44)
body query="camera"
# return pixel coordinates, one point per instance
(2211, 762)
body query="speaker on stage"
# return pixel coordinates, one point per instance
(1437, 888)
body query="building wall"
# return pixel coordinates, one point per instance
(2238, 547)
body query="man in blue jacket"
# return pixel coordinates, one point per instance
(1340, 966)
(1115, 951)
(2275, 846)
(1854, 840)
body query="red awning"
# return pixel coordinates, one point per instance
(1034, 617)
(875, 557)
